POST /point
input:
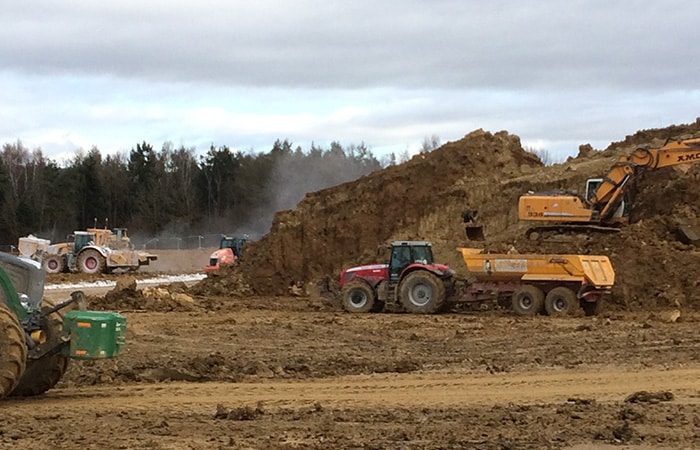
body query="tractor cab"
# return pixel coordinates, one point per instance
(82, 239)
(234, 243)
(405, 253)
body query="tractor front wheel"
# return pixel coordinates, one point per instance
(422, 293)
(13, 351)
(91, 261)
(358, 297)
(54, 264)
(43, 374)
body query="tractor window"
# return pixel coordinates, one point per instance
(400, 258)
(423, 255)
(81, 240)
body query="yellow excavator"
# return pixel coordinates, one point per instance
(606, 203)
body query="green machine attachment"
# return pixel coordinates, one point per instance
(94, 334)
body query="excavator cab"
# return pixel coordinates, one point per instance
(622, 211)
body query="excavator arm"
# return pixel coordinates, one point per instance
(611, 191)
(601, 209)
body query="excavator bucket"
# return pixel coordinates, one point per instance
(474, 231)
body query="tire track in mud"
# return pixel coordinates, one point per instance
(387, 390)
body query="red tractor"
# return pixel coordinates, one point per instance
(411, 281)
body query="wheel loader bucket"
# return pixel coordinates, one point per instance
(475, 232)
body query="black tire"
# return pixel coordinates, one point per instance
(527, 300)
(358, 297)
(422, 292)
(43, 374)
(54, 264)
(90, 261)
(561, 301)
(13, 351)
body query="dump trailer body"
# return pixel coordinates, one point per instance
(591, 269)
(545, 278)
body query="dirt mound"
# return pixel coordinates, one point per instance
(126, 296)
(423, 199)
(418, 199)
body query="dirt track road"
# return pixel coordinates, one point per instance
(429, 390)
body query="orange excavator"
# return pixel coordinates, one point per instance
(606, 203)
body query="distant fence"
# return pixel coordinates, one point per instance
(180, 242)
(163, 242)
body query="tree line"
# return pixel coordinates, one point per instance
(170, 191)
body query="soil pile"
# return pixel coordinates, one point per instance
(420, 199)
(126, 296)
(424, 197)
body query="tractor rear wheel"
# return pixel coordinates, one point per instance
(422, 293)
(43, 374)
(54, 264)
(13, 351)
(528, 300)
(91, 261)
(358, 297)
(561, 301)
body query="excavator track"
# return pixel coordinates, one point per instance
(563, 231)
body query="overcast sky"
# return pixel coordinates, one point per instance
(77, 74)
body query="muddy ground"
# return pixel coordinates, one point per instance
(204, 371)
(256, 358)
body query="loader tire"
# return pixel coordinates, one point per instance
(54, 264)
(13, 351)
(358, 297)
(561, 301)
(422, 293)
(527, 300)
(43, 374)
(90, 261)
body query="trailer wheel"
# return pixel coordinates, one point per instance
(90, 261)
(358, 297)
(422, 293)
(527, 300)
(561, 301)
(13, 351)
(54, 264)
(43, 374)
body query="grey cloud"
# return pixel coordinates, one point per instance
(441, 44)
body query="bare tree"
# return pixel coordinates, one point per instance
(542, 154)
(430, 144)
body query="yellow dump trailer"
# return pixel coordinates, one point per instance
(555, 284)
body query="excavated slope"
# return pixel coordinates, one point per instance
(423, 199)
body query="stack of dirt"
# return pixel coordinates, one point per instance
(126, 296)
(424, 197)
(420, 199)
